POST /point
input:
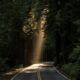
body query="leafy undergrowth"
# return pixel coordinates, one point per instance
(9, 74)
(73, 70)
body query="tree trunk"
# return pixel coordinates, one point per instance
(58, 46)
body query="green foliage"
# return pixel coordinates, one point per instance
(75, 55)
(64, 17)
(67, 68)
(12, 16)
(72, 69)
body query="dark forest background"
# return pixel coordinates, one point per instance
(62, 39)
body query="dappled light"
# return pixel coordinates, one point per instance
(37, 53)
(36, 29)
(38, 66)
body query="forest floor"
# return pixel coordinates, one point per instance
(9, 74)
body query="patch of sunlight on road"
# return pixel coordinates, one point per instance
(39, 66)
(32, 68)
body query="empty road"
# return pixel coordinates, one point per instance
(40, 73)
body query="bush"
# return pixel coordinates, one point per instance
(75, 55)
(75, 71)
(67, 68)
(72, 69)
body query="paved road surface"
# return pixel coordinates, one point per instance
(47, 73)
